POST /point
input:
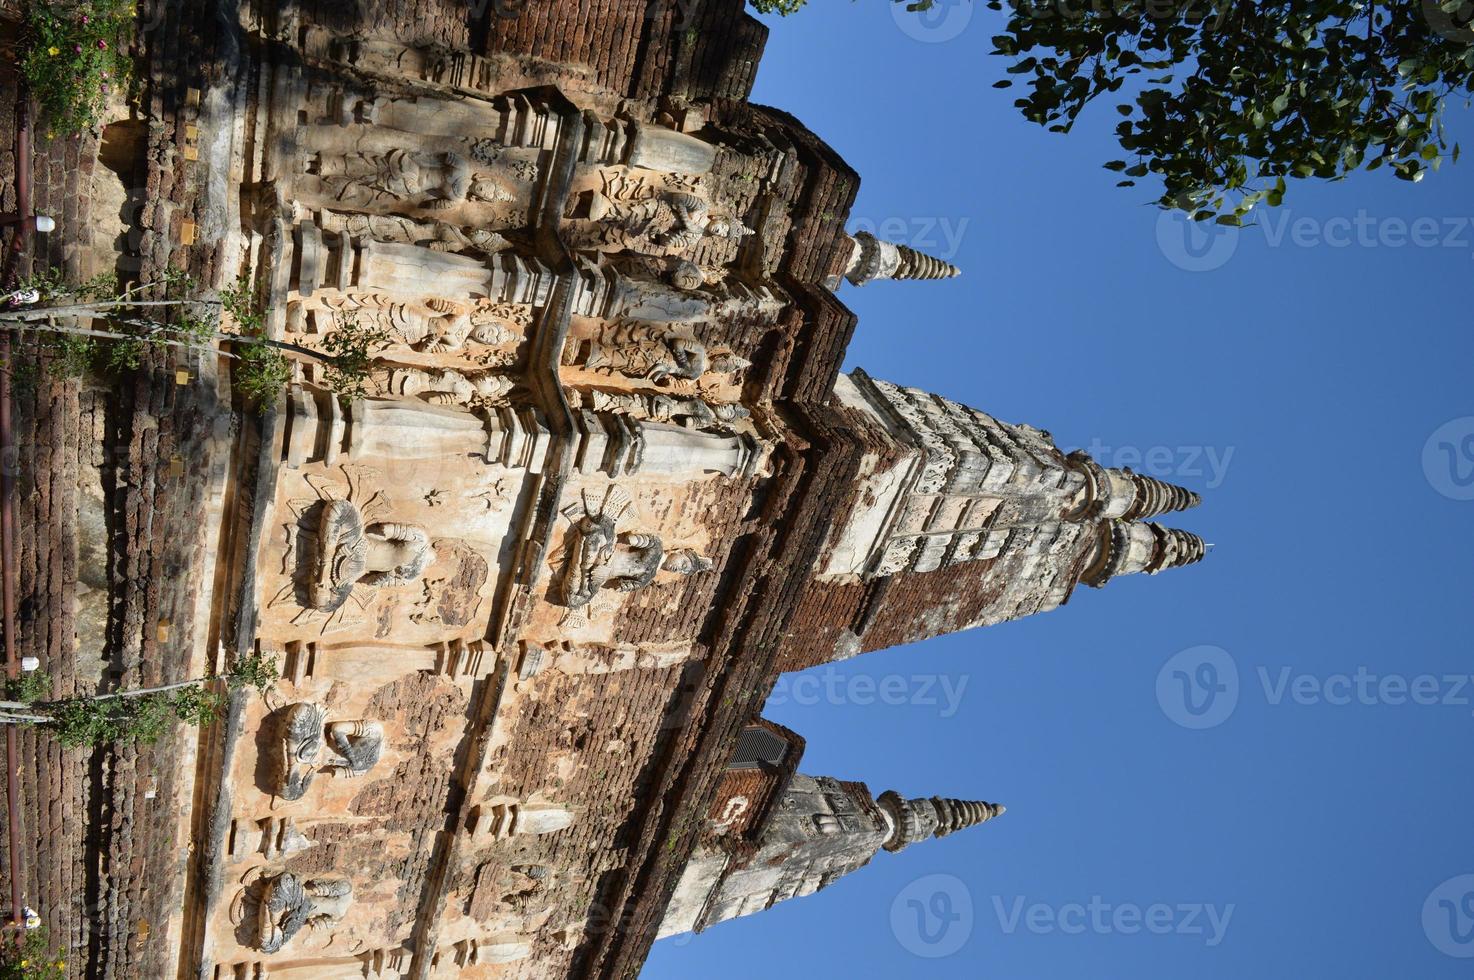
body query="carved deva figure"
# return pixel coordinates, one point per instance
(654, 358)
(447, 387)
(434, 181)
(300, 742)
(674, 221)
(600, 555)
(358, 743)
(433, 326)
(661, 359)
(350, 554)
(289, 903)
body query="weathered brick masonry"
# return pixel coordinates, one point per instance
(530, 587)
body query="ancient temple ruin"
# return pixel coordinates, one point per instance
(529, 593)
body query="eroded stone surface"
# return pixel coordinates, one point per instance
(529, 590)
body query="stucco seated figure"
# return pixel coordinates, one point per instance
(289, 903)
(675, 221)
(300, 744)
(358, 744)
(434, 181)
(351, 554)
(598, 555)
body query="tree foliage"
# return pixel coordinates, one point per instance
(351, 347)
(1226, 102)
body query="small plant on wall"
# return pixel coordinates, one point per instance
(139, 715)
(27, 955)
(97, 327)
(76, 58)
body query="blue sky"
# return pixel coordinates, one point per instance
(1310, 377)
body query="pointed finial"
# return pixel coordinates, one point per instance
(873, 258)
(1128, 547)
(915, 820)
(1154, 497)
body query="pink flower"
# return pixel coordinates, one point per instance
(86, 19)
(77, 48)
(102, 45)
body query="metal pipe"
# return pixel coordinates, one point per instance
(19, 240)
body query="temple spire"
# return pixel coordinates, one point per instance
(1128, 547)
(823, 830)
(873, 258)
(913, 821)
(1122, 494)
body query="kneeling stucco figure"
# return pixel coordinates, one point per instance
(350, 554)
(289, 903)
(301, 741)
(600, 555)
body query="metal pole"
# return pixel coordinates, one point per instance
(19, 240)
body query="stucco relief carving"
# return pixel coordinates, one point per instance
(299, 745)
(444, 386)
(289, 903)
(639, 351)
(600, 553)
(358, 744)
(351, 554)
(398, 179)
(655, 221)
(692, 412)
(434, 234)
(432, 325)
